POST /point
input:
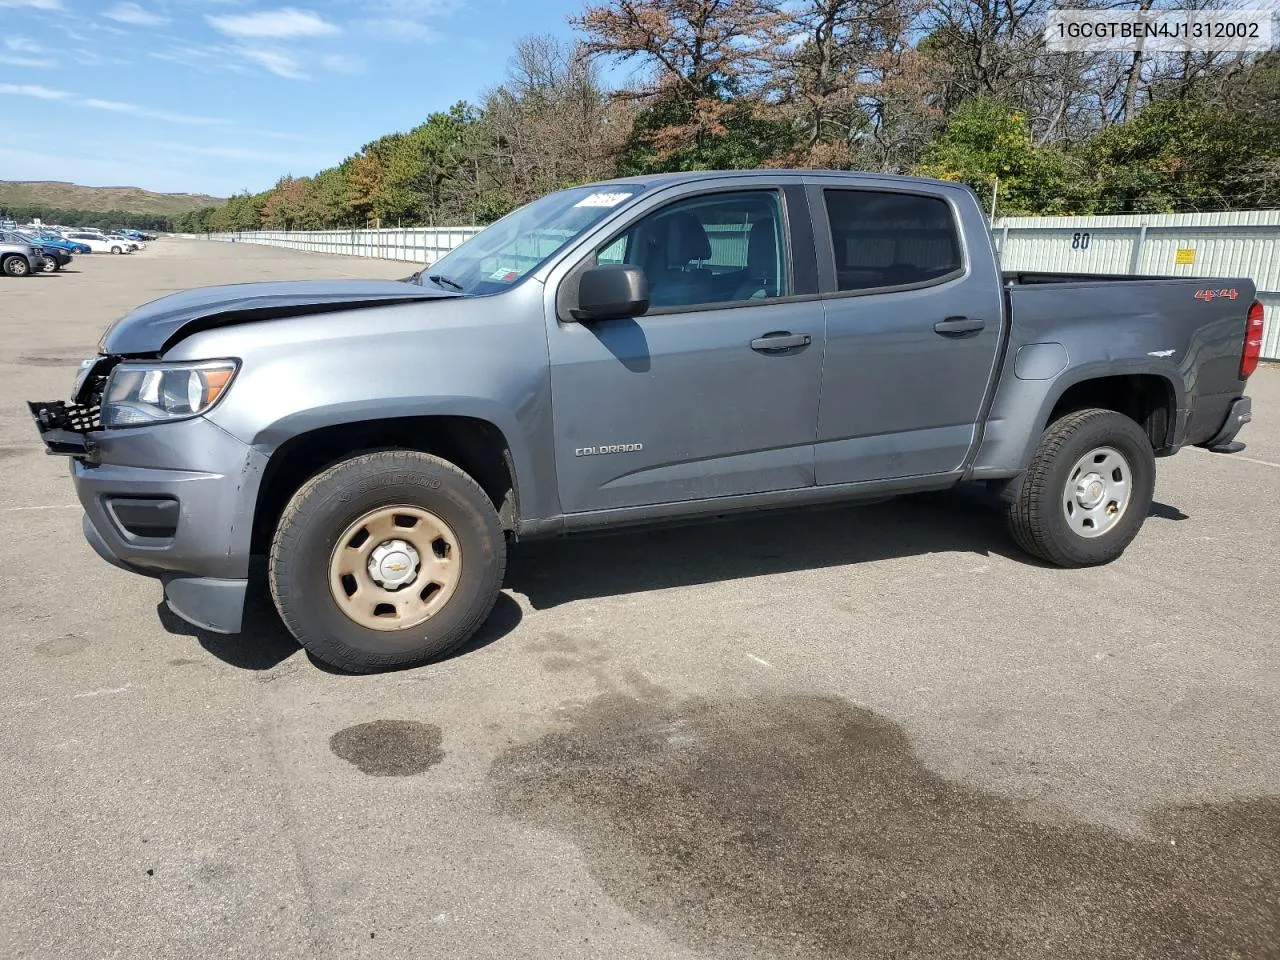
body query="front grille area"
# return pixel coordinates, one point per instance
(60, 415)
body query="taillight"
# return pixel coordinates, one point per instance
(1252, 341)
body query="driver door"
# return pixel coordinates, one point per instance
(690, 400)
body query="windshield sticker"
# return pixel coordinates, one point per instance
(504, 275)
(603, 200)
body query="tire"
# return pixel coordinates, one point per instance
(307, 557)
(15, 266)
(1071, 509)
(115, 250)
(50, 265)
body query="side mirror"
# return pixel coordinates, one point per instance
(614, 291)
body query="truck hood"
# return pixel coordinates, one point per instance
(156, 326)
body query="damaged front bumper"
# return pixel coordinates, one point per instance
(190, 527)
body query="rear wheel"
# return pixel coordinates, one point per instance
(15, 266)
(386, 560)
(1087, 492)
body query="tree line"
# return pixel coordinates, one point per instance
(959, 89)
(109, 220)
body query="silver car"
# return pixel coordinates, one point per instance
(20, 259)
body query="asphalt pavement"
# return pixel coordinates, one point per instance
(863, 732)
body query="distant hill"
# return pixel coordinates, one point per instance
(72, 196)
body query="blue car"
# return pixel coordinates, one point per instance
(53, 240)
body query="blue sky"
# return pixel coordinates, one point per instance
(217, 96)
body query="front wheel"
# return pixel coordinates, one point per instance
(1087, 492)
(386, 560)
(116, 250)
(50, 265)
(15, 266)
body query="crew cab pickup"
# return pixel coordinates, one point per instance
(638, 350)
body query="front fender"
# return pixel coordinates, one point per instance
(484, 358)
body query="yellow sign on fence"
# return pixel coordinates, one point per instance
(1184, 255)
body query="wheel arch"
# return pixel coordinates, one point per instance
(1025, 408)
(1151, 399)
(476, 445)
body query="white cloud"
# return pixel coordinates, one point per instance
(131, 13)
(285, 22)
(404, 20)
(35, 4)
(415, 8)
(30, 62)
(22, 45)
(277, 62)
(33, 90)
(137, 110)
(341, 63)
(406, 30)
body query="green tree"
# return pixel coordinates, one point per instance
(985, 140)
(1177, 156)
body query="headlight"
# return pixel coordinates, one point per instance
(140, 393)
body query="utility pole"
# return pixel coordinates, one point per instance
(995, 189)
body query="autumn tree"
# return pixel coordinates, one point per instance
(549, 125)
(705, 69)
(853, 87)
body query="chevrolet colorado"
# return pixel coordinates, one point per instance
(624, 352)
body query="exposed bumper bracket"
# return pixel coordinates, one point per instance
(1238, 414)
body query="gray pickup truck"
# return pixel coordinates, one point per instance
(639, 350)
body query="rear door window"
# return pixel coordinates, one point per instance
(885, 239)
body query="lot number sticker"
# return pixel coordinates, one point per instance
(1184, 255)
(603, 200)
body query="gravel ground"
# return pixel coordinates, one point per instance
(865, 732)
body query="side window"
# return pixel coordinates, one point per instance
(884, 239)
(615, 252)
(718, 248)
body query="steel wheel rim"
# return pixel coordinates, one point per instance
(1097, 493)
(394, 568)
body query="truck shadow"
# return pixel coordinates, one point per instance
(264, 642)
(966, 520)
(553, 572)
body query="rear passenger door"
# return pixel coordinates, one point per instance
(913, 305)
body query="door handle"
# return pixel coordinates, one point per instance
(957, 326)
(780, 341)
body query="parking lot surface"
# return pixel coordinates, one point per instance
(866, 732)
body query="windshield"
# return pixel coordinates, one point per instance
(503, 254)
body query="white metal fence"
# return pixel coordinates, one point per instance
(1242, 244)
(413, 244)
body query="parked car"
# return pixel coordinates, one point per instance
(641, 350)
(137, 235)
(133, 244)
(99, 244)
(57, 253)
(56, 240)
(19, 259)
